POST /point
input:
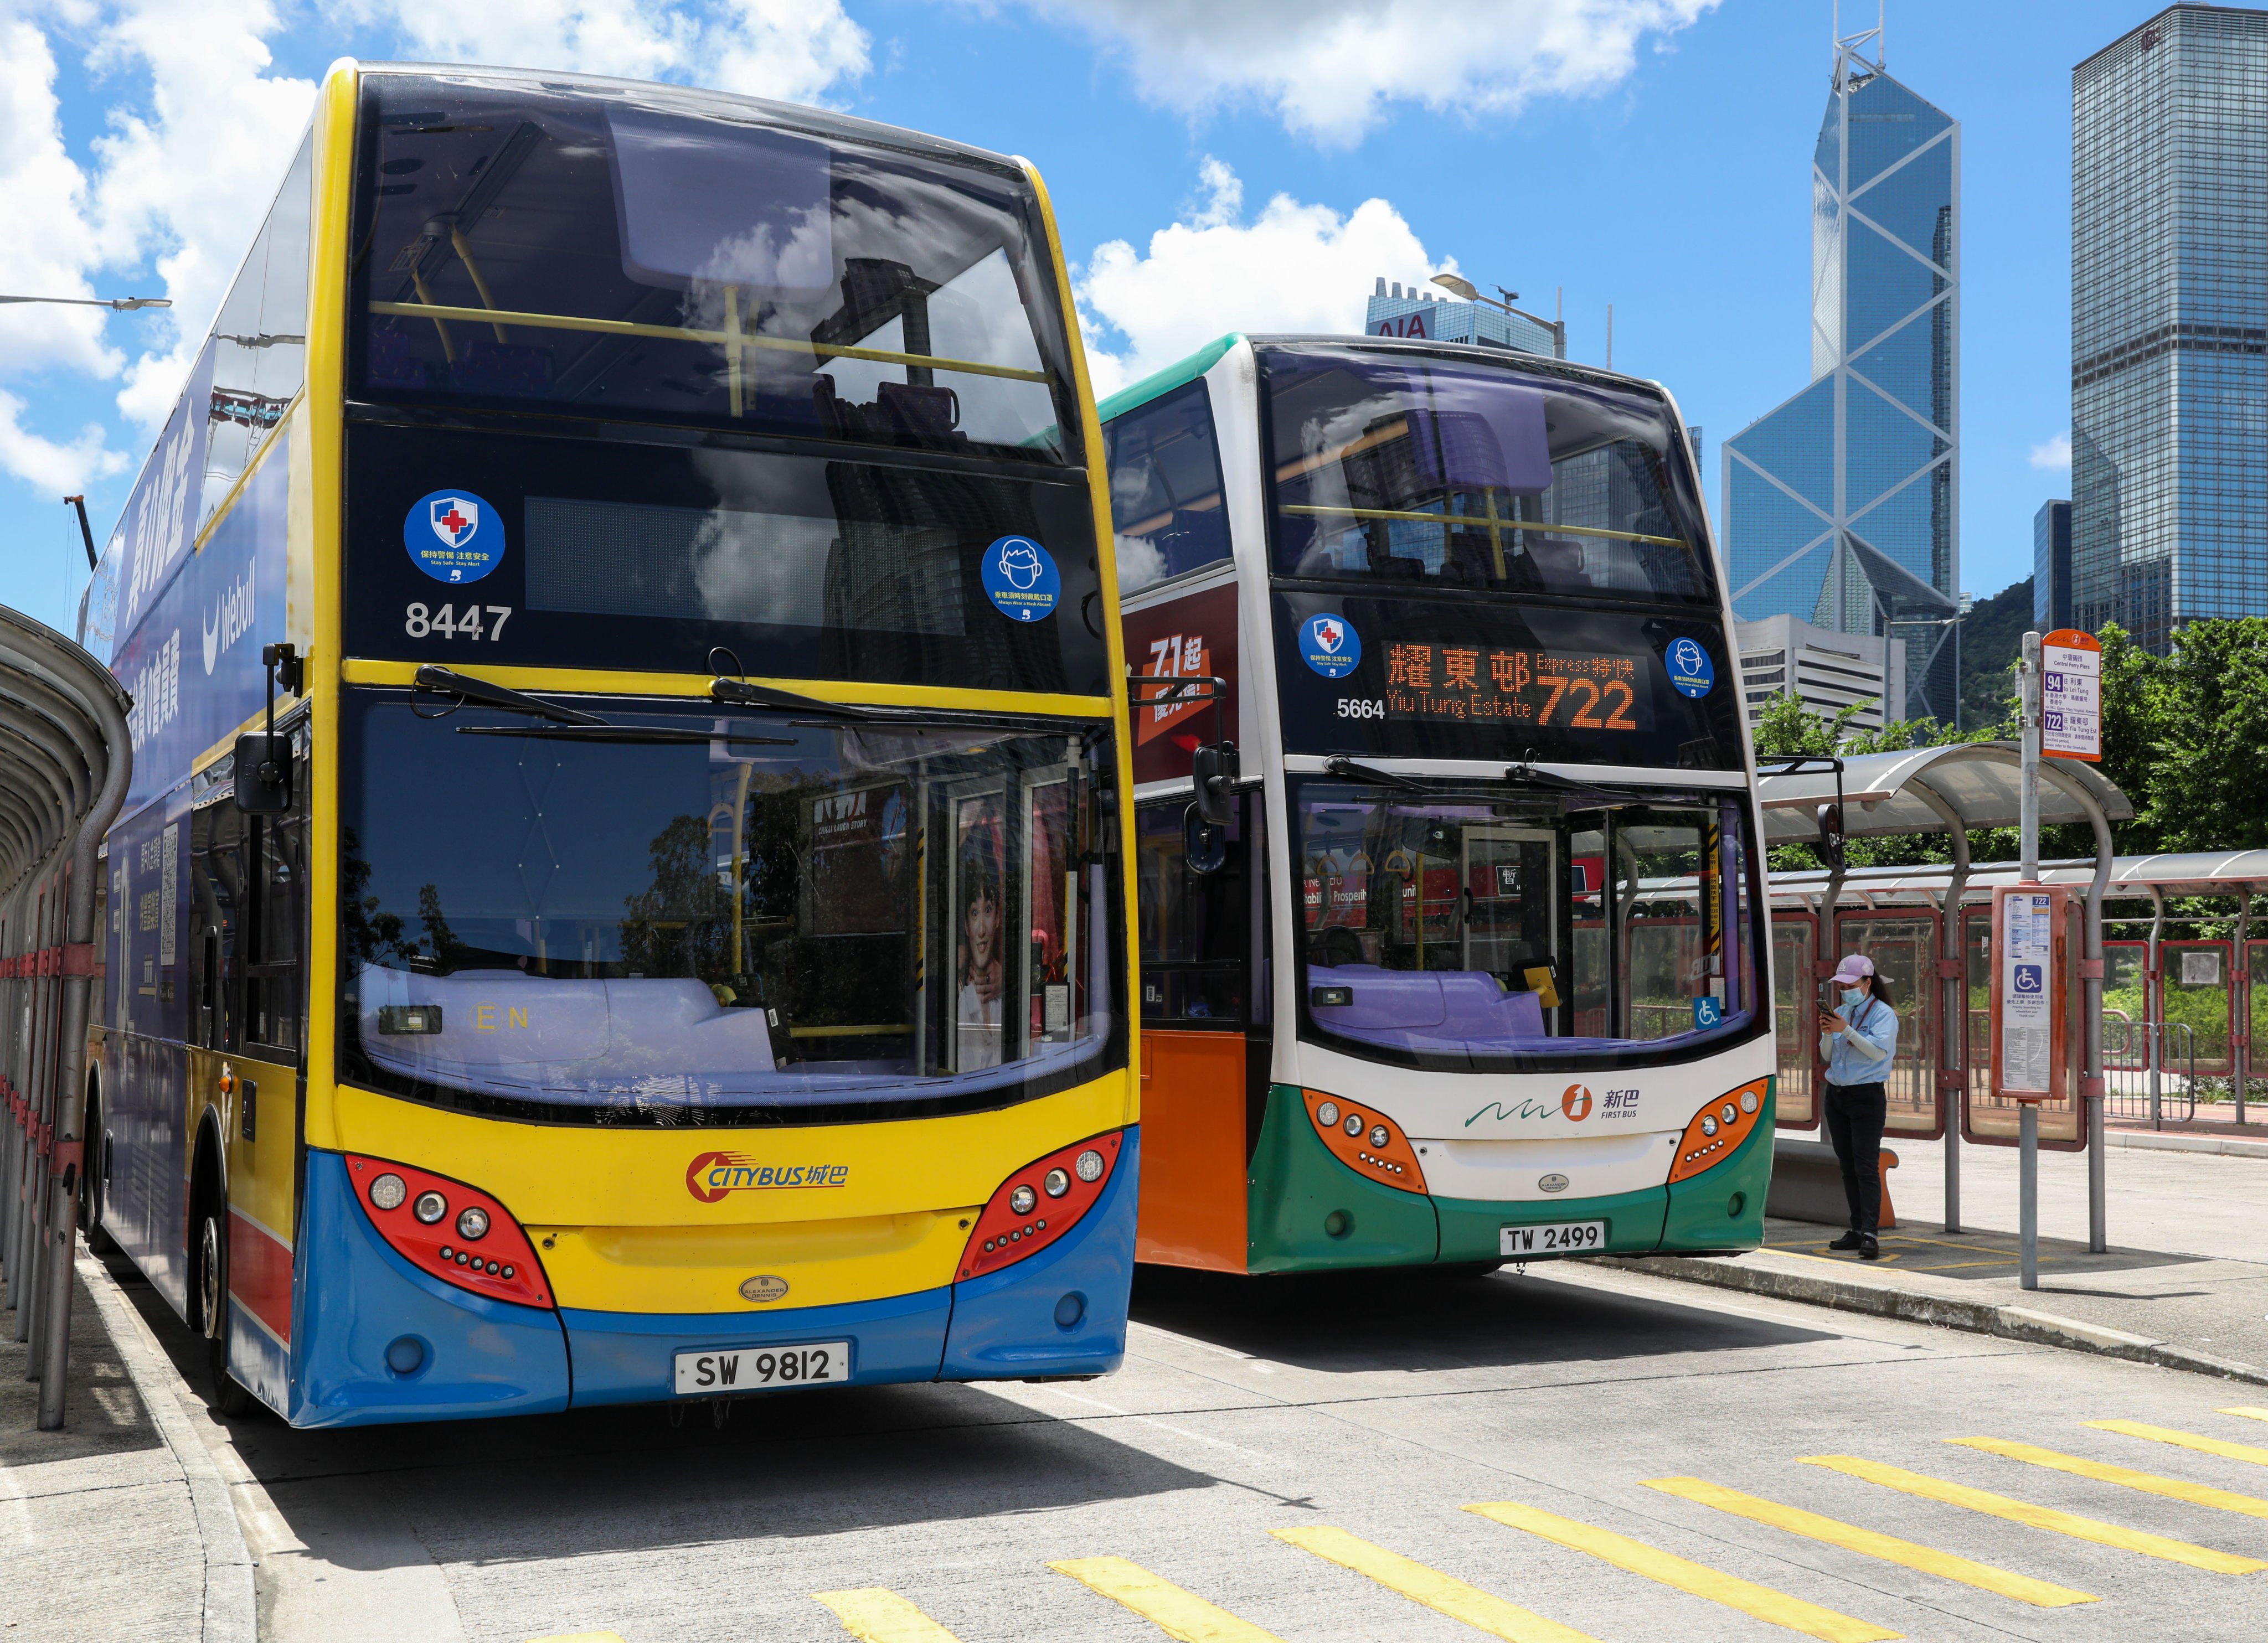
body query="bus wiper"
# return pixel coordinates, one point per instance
(1349, 768)
(449, 681)
(1526, 774)
(739, 691)
(625, 735)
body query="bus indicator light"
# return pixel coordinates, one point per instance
(1369, 1143)
(1718, 1130)
(1005, 1231)
(506, 1269)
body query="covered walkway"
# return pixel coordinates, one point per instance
(65, 757)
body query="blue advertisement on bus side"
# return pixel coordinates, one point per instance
(190, 656)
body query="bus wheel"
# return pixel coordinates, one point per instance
(92, 1174)
(228, 1397)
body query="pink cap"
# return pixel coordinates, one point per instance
(1854, 967)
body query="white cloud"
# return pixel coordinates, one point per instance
(796, 51)
(1295, 267)
(186, 180)
(43, 197)
(44, 464)
(2053, 453)
(1327, 67)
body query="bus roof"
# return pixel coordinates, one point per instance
(1161, 382)
(700, 99)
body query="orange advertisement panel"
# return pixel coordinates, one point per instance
(1171, 646)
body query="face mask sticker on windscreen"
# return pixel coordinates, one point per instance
(1020, 578)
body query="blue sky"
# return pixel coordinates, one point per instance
(1213, 167)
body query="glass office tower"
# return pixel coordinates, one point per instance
(1842, 506)
(2169, 323)
(2052, 567)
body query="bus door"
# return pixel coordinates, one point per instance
(247, 1015)
(1512, 886)
(1204, 995)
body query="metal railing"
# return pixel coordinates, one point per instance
(2149, 1069)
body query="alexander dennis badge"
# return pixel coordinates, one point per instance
(454, 536)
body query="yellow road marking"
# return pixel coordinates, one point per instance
(874, 1614)
(1890, 1548)
(2039, 1516)
(2245, 1410)
(2149, 1483)
(580, 1637)
(1430, 1587)
(1777, 1608)
(2187, 1440)
(1177, 1613)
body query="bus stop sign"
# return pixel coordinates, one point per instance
(2071, 696)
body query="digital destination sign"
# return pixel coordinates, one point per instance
(1570, 689)
(1481, 678)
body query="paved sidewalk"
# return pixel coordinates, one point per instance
(105, 1535)
(2184, 1283)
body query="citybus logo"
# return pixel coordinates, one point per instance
(712, 1175)
(1576, 1103)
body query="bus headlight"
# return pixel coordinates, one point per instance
(1089, 1166)
(1074, 1177)
(1023, 1201)
(472, 1223)
(1057, 1183)
(429, 1207)
(388, 1191)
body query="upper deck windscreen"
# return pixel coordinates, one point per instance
(1420, 471)
(653, 254)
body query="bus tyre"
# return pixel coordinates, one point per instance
(92, 1173)
(228, 1397)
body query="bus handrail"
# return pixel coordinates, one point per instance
(1481, 521)
(721, 339)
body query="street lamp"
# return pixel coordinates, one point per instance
(123, 304)
(1457, 285)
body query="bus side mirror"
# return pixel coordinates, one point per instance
(1830, 835)
(1205, 844)
(1213, 768)
(263, 772)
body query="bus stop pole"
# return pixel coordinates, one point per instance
(1953, 1028)
(2027, 1139)
(2240, 997)
(2090, 972)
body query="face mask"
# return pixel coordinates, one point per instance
(1851, 995)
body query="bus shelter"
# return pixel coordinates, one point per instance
(1930, 940)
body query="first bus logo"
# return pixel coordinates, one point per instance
(713, 1175)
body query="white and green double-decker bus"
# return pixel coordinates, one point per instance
(1461, 958)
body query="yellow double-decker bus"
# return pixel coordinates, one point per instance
(622, 896)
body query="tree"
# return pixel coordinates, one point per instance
(2207, 726)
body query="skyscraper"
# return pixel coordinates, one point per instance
(2169, 322)
(1842, 505)
(2052, 567)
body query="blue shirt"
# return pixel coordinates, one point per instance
(1861, 1056)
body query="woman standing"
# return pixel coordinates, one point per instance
(1858, 1037)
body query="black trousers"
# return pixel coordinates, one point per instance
(1855, 1114)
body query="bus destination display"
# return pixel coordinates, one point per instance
(1576, 690)
(1489, 678)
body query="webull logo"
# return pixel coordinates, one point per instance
(231, 620)
(712, 1176)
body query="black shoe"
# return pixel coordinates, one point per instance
(1869, 1250)
(1848, 1241)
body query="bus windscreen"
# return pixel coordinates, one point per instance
(1463, 930)
(1457, 474)
(652, 254)
(679, 918)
